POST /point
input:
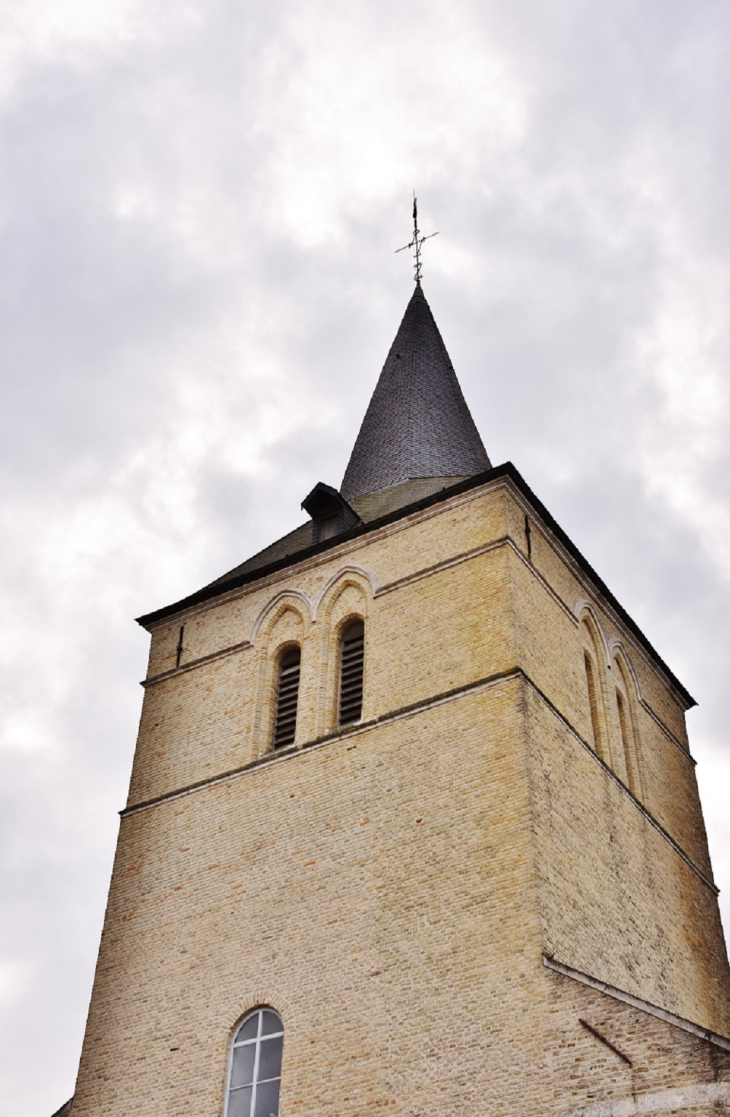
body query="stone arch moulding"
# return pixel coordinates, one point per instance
(341, 575)
(284, 599)
(583, 606)
(288, 601)
(261, 998)
(615, 647)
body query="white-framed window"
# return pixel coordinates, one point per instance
(254, 1076)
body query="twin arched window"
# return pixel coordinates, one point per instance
(255, 1071)
(625, 730)
(350, 685)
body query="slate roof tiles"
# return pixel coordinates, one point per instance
(418, 423)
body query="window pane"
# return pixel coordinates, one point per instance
(248, 1029)
(272, 1023)
(270, 1058)
(267, 1099)
(242, 1065)
(239, 1102)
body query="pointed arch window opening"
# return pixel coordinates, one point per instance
(287, 698)
(628, 729)
(352, 667)
(627, 740)
(594, 704)
(254, 1076)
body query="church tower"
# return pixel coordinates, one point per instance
(413, 825)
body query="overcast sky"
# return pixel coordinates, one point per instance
(199, 206)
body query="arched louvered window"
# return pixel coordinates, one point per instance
(255, 1074)
(287, 696)
(352, 663)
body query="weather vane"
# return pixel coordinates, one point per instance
(417, 240)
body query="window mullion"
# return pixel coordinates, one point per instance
(256, 1063)
(260, 1022)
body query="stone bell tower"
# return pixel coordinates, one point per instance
(413, 825)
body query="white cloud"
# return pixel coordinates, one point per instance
(378, 113)
(200, 206)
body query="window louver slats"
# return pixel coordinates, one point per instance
(351, 673)
(287, 696)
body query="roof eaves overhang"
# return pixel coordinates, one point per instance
(507, 471)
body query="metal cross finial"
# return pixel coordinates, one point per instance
(417, 241)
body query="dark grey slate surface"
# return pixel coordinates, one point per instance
(417, 423)
(64, 1110)
(368, 508)
(417, 436)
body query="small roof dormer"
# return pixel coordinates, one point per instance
(330, 512)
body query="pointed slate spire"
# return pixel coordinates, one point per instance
(417, 423)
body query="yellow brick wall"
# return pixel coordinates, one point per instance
(218, 715)
(397, 552)
(561, 575)
(550, 651)
(660, 1055)
(391, 889)
(618, 901)
(379, 891)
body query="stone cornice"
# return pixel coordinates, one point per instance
(645, 1006)
(407, 580)
(350, 731)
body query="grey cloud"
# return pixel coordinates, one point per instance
(186, 352)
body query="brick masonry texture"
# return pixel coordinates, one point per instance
(660, 1056)
(392, 888)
